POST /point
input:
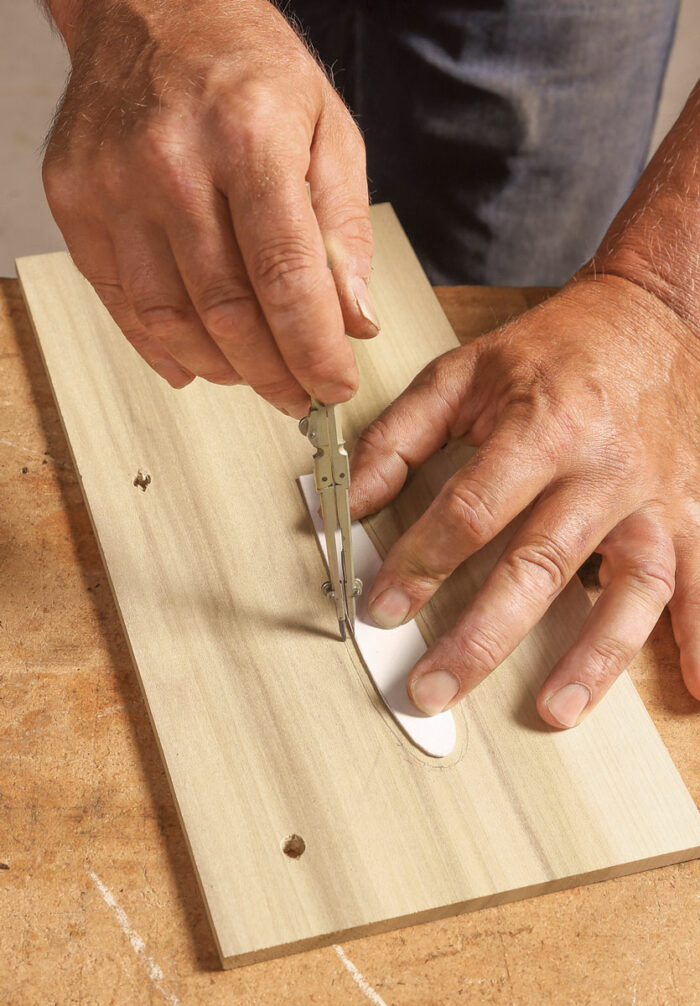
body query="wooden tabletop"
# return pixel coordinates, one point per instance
(99, 900)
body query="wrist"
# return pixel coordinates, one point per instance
(632, 311)
(65, 14)
(634, 266)
(125, 21)
(654, 242)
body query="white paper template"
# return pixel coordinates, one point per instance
(388, 654)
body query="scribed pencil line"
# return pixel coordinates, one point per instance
(155, 973)
(359, 979)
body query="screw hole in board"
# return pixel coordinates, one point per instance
(142, 480)
(293, 846)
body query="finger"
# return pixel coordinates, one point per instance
(152, 284)
(285, 258)
(93, 254)
(432, 410)
(685, 612)
(213, 273)
(502, 479)
(640, 566)
(562, 530)
(338, 179)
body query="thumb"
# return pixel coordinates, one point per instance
(429, 413)
(338, 180)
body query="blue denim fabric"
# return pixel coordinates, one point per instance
(506, 134)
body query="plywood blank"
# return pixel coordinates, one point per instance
(268, 725)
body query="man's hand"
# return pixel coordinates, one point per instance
(586, 414)
(177, 169)
(587, 405)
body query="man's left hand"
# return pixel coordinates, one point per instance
(586, 413)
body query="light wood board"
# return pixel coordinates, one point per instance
(267, 724)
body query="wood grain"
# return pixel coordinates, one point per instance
(267, 725)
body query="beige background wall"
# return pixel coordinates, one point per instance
(33, 68)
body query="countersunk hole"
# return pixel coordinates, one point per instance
(142, 480)
(294, 846)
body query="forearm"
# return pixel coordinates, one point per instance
(655, 238)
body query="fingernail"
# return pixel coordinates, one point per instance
(390, 608)
(295, 410)
(434, 691)
(567, 704)
(334, 394)
(364, 302)
(172, 373)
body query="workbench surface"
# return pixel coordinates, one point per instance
(99, 902)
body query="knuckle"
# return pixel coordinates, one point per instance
(541, 566)
(248, 120)
(564, 429)
(534, 388)
(686, 595)
(108, 178)
(376, 439)
(285, 391)
(380, 460)
(466, 511)
(437, 371)
(439, 377)
(256, 103)
(482, 648)
(355, 239)
(167, 158)
(418, 576)
(110, 293)
(182, 183)
(157, 315)
(344, 215)
(287, 271)
(652, 581)
(608, 658)
(362, 236)
(161, 137)
(223, 308)
(165, 155)
(58, 184)
(526, 385)
(225, 375)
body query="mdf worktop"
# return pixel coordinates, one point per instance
(98, 898)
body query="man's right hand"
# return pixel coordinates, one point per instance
(176, 169)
